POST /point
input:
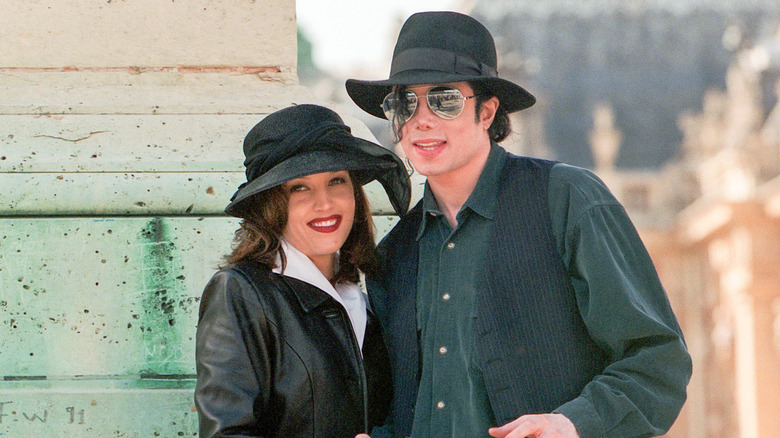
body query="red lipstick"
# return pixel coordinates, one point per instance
(326, 225)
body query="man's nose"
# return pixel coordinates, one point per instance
(423, 114)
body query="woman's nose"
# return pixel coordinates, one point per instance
(322, 199)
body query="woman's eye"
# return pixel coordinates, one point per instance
(297, 188)
(337, 180)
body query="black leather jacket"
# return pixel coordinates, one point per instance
(277, 357)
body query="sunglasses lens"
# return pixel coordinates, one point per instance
(399, 107)
(446, 102)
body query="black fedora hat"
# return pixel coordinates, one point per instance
(440, 47)
(304, 139)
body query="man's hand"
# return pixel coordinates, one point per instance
(538, 426)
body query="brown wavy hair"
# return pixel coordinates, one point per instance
(265, 217)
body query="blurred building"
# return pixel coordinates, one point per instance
(648, 60)
(711, 220)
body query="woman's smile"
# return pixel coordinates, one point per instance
(320, 214)
(326, 225)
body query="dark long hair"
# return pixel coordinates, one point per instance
(265, 217)
(501, 126)
(498, 130)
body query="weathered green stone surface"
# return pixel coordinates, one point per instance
(107, 296)
(97, 322)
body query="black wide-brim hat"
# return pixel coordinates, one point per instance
(436, 48)
(306, 139)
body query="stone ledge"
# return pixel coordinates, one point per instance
(147, 33)
(104, 407)
(190, 194)
(151, 93)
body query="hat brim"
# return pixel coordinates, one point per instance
(368, 95)
(366, 168)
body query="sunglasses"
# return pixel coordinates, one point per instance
(445, 102)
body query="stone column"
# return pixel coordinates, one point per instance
(120, 131)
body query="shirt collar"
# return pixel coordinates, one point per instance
(302, 268)
(349, 295)
(482, 199)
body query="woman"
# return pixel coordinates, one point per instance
(285, 344)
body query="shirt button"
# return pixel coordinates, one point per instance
(446, 297)
(451, 245)
(440, 405)
(442, 350)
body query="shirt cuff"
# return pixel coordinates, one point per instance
(583, 414)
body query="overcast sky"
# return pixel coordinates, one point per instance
(349, 36)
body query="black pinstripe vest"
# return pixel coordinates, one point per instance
(533, 345)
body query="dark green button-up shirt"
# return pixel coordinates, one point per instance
(614, 280)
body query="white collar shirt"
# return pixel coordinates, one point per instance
(349, 295)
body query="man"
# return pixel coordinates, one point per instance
(516, 298)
